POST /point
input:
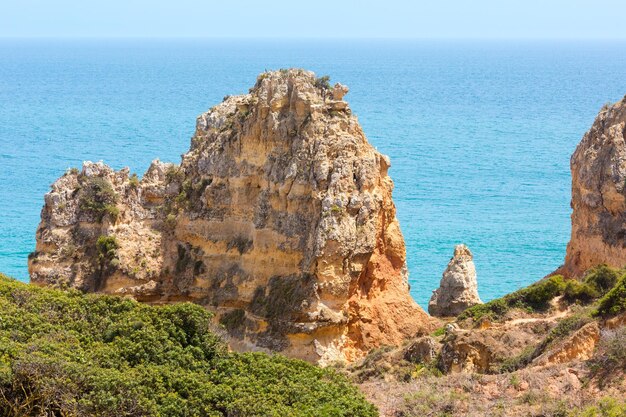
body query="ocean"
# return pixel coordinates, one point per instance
(479, 132)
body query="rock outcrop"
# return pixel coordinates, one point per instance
(579, 346)
(598, 195)
(458, 289)
(279, 218)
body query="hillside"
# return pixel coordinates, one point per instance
(63, 353)
(555, 349)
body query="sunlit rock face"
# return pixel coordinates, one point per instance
(458, 289)
(598, 195)
(279, 218)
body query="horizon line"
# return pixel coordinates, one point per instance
(304, 38)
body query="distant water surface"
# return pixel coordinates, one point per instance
(479, 133)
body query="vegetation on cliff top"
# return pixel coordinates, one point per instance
(602, 282)
(70, 354)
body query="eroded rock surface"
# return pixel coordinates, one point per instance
(279, 218)
(458, 289)
(598, 195)
(578, 346)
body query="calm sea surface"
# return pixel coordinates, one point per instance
(479, 133)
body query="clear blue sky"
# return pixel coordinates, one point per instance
(318, 18)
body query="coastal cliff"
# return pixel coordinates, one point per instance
(280, 219)
(599, 195)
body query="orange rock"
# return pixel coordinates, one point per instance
(280, 219)
(598, 196)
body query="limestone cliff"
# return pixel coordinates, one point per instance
(599, 195)
(279, 218)
(458, 289)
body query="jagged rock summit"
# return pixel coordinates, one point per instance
(279, 218)
(458, 289)
(599, 195)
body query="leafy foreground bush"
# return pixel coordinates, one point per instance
(68, 354)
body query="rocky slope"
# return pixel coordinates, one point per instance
(555, 348)
(458, 289)
(598, 195)
(562, 357)
(279, 218)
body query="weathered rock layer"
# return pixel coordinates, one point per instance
(458, 289)
(279, 218)
(599, 195)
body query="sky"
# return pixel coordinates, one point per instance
(440, 19)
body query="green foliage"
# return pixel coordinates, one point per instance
(98, 197)
(107, 247)
(69, 354)
(336, 209)
(606, 407)
(174, 174)
(323, 82)
(576, 291)
(602, 278)
(517, 362)
(133, 181)
(439, 332)
(614, 302)
(536, 297)
(564, 328)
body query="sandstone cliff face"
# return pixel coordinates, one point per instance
(458, 289)
(279, 218)
(598, 195)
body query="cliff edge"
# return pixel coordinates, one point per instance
(279, 218)
(599, 195)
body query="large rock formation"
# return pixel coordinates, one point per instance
(279, 218)
(599, 195)
(458, 289)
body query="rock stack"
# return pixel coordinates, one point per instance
(279, 218)
(458, 289)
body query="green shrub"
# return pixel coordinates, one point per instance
(576, 291)
(98, 197)
(614, 302)
(323, 82)
(564, 328)
(107, 247)
(133, 181)
(69, 354)
(439, 332)
(541, 293)
(492, 310)
(606, 407)
(602, 278)
(536, 297)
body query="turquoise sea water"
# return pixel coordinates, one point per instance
(479, 133)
